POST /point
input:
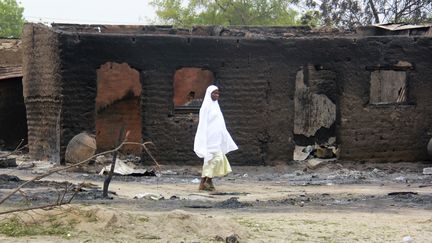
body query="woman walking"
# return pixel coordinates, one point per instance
(212, 140)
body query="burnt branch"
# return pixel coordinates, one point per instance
(107, 180)
(36, 178)
(50, 206)
(17, 149)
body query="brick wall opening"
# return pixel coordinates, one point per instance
(13, 121)
(315, 113)
(388, 87)
(190, 84)
(117, 105)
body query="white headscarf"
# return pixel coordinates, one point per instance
(212, 135)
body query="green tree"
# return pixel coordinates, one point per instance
(226, 12)
(351, 13)
(11, 19)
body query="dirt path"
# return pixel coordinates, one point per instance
(108, 223)
(258, 204)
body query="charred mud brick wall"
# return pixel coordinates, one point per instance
(257, 90)
(385, 132)
(256, 76)
(42, 91)
(13, 125)
(376, 132)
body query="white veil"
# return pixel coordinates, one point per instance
(202, 136)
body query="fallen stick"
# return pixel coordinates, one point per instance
(58, 203)
(69, 167)
(17, 149)
(146, 149)
(33, 208)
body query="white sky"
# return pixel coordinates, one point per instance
(88, 11)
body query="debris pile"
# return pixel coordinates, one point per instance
(315, 155)
(6, 162)
(123, 167)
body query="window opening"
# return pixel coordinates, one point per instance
(190, 84)
(388, 87)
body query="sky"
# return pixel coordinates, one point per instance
(88, 11)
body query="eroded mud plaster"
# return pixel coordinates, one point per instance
(312, 111)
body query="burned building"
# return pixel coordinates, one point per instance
(13, 125)
(280, 86)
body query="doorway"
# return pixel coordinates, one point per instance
(118, 104)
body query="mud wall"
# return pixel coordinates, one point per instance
(42, 91)
(376, 132)
(10, 52)
(256, 77)
(257, 90)
(387, 132)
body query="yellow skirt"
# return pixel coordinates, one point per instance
(218, 166)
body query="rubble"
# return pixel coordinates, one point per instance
(123, 168)
(232, 202)
(301, 153)
(148, 196)
(401, 193)
(7, 178)
(427, 171)
(234, 238)
(168, 172)
(318, 153)
(229, 193)
(407, 239)
(315, 163)
(7, 162)
(219, 238)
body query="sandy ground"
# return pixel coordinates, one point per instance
(286, 203)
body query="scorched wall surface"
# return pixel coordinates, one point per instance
(256, 90)
(257, 81)
(42, 91)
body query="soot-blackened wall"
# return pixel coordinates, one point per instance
(256, 90)
(42, 91)
(392, 132)
(257, 81)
